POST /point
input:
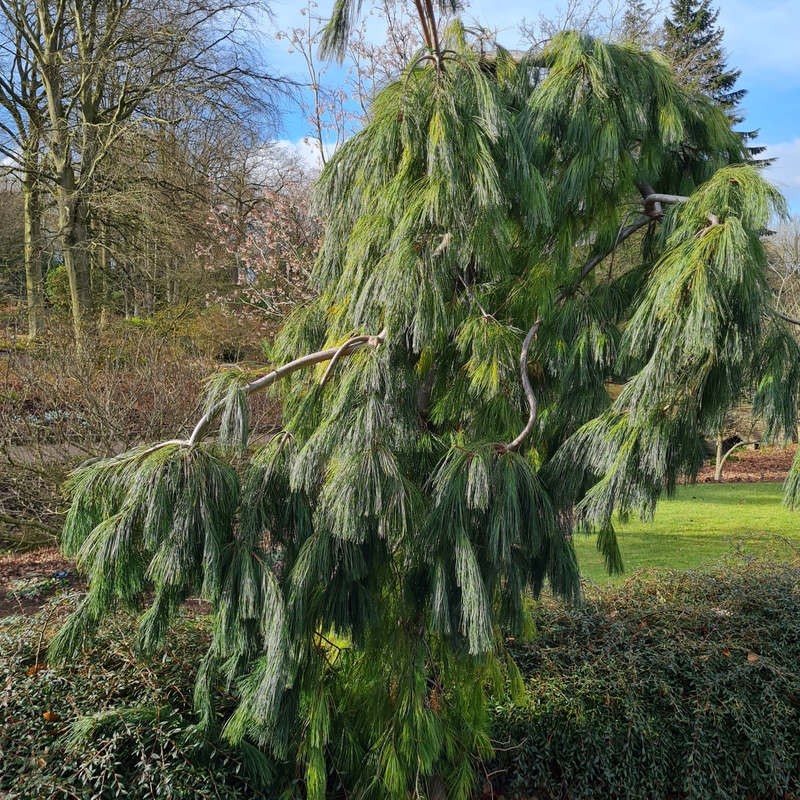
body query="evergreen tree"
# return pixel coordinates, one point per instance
(435, 457)
(693, 41)
(637, 24)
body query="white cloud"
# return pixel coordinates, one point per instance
(307, 151)
(785, 172)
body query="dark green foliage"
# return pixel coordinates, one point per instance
(110, 726)
(693, 42)
(637, 23)
(682, 686)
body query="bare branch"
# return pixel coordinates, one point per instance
(786, 317)
(533, 405)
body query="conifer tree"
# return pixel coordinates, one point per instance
(446, 426)
(693, 41)
(638, 24)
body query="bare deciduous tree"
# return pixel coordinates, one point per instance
(103, 68)
(21, 131)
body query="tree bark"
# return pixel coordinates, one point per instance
(104, 278)
(73, 238)
(34, 277)
(718, 463)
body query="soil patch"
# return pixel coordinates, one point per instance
(752, 466)
(28, 580)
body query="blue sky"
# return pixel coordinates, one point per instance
(761, 39)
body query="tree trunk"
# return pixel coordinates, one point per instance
(34, 278)
(105, 279)
(718, 464)
(73, 236)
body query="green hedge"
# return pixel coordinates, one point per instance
(680, 686)
(134, 737)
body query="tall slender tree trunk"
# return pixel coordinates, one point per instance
(34, 273)
(104, 277)
(73, 228)
(74, 240)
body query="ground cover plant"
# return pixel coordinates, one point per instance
(434, 457)
(676, 685)
(680, 685)
(109, 725)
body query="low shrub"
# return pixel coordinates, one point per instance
(678, 686)
(684, 685)
(112, 725)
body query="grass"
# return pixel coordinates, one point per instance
(698, 527)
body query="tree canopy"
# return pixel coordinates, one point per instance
(447, 423)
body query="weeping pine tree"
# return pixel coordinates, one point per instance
(504, 238)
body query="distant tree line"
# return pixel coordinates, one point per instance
(122, 124)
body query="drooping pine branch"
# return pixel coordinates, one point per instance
(333, 354)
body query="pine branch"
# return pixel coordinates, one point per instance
(530, 396)
(786, 317)
(345, 349)
(652, 212)
(624, 233)
(652, 202)
(657, 197)
(278, 374)
(652, 209)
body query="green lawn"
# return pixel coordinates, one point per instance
(700, 525)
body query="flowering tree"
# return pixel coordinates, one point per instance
(272, 245)
(435, 456)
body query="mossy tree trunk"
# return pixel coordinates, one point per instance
(34, 262)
